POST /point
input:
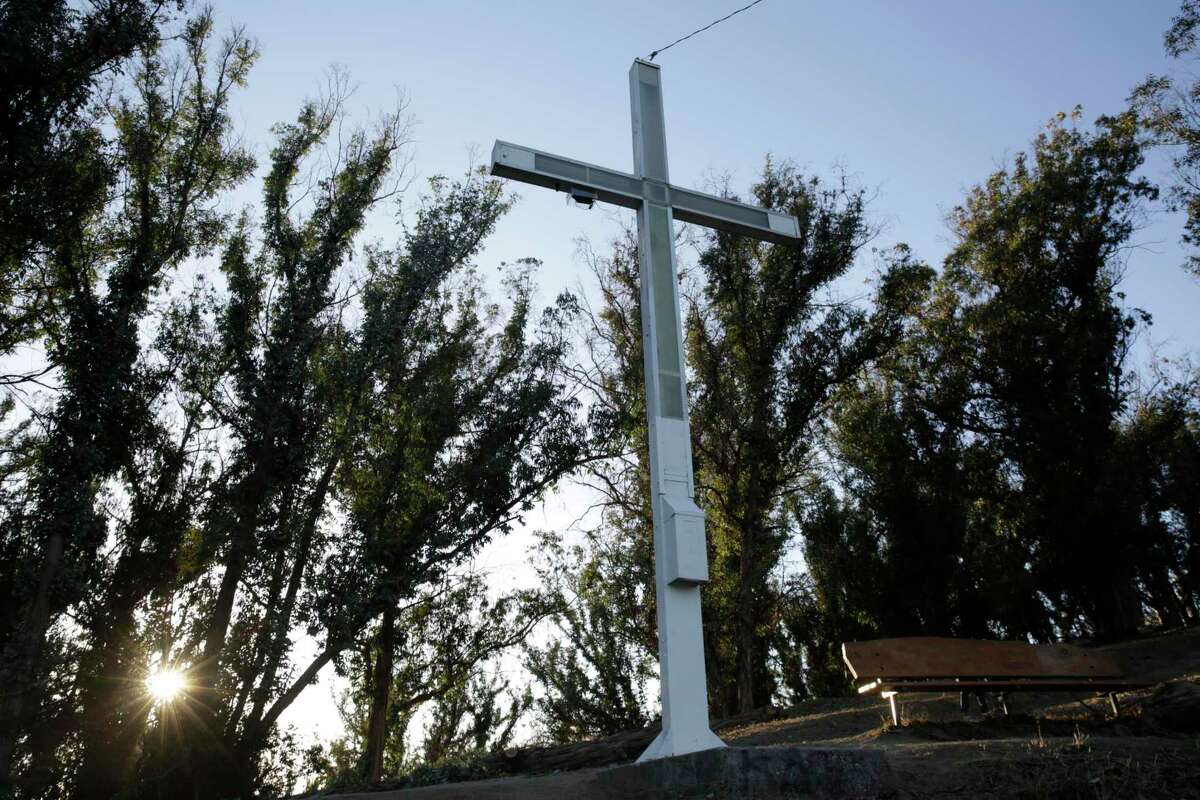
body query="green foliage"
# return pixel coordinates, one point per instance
(766, 352)
(168, 162)
(964, 456)
(314, 436)
(472, 717)
(440, 656)
(1159, 449)
(305, 444)
(1167, 110)
(433, 425)
(992, 453)
(767, 349)
(57, 165)
(593, 673)
(1034, 275)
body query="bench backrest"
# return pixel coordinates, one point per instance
(931, 657)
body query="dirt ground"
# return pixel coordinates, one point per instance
(1056, 745)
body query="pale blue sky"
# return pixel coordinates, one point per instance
(917, 101)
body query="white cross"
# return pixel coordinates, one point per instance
(680, 554)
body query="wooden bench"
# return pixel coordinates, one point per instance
(971, 667)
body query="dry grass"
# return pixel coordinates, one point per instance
(1075, 768)
(1079, 770)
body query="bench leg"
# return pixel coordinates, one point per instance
(1112, 701)
(1002, 699)
(964, 702)
(891, 696)
(983, 703)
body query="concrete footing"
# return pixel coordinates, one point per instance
(762, 773)
(744, 773)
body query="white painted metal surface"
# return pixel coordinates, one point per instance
(680, 552)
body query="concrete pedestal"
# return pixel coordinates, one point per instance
(762, 773)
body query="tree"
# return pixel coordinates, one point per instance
(469, 428)
(593, 673)
(1159, 452)
(1171, 115)
(986, 453)
(471, 718)
(168, 477)
(295, 385)
(1035, 272)
(591, 676)
(767, 351)
(174, 161)
(928, 485)
(841, 596)
(439, 652)
(57, 165)
(918, 480)
(211, 454)
(909, 532)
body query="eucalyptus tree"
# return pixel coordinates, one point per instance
(907, 533)
(593, 672)
(1168, 107)
(1158, 447)
(441, 654)
(57, 165)
(914, 462)
(591, 675)
(620, 550)
(479, 716)
(842, 594)
(991, 452)
(376, 447)
(445, 644)
(289, 383)
(471, 418)
(125, 619)
(911, 472)
(1032, 286)
(768, 346)
(172, 159)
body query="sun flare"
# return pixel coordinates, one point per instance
(165, 685)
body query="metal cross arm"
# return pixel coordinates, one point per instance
(587, 181)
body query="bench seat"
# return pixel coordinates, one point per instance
(980, 667)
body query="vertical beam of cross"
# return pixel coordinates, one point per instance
(678, 522)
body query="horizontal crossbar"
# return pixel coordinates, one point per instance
(630, 191)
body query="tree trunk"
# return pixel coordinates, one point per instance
(30, 642)
(382, 689)
(1116, 609)
(113, 707)
(745, 625)
(277, 645)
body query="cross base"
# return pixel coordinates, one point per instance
(760, 772)
(673, 742)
